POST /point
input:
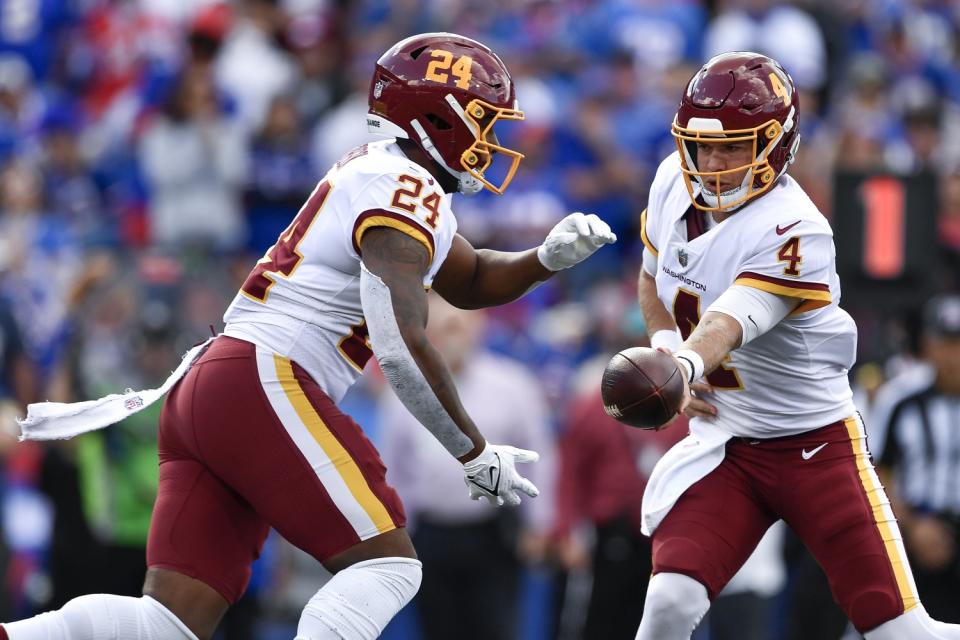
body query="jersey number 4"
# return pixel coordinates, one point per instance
(790, 253)
(283, 258)
(686, 312)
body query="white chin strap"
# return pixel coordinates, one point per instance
(466, 183)
(723, 200)
(378, 125)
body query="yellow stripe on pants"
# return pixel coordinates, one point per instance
(887, 527)
(346, 466)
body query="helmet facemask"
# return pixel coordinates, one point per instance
(477, 159)
(479, 117)
(759, 175)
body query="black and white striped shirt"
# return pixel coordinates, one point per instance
(915, 432)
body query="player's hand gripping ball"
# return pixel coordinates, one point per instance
(642, 387)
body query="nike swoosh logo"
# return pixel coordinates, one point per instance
(750, 318)
(783, 230)
(809, 454)
(493, 483)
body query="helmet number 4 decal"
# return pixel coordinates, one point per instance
(442, 61)
(779, 88)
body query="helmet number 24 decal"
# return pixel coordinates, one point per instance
(442, 61)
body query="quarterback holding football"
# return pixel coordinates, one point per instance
(739, 283)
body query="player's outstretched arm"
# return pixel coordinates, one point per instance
(738, 316)
(477, 278)
(473, 279)
(395, 307)
(714, 338)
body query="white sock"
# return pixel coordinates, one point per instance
(674, 606)
(102, 616)
(916, 625)
(359, 601)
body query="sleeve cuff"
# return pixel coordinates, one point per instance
(814, 294)
(644, 237)
(383, 218)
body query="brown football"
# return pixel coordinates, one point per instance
(642, 387)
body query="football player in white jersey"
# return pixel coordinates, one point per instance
(739, 283)
(251, 436)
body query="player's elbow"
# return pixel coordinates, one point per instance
(399, 356)
(394, 369)
(398, 360)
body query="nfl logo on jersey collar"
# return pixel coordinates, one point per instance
(683, 257)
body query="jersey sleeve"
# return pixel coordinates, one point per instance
(405, 201)
(799, 265)
(645, 235)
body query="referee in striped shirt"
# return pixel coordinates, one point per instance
(915, 437)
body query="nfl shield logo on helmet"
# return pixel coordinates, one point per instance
(682, 257)
(378, 89)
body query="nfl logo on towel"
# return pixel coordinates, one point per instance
(133, 403)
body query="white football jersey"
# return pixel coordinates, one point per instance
(302, 299)
(794, 377)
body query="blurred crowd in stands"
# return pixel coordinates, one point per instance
(152, 150)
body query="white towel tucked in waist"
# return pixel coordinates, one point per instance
(687, 462)
(60, 420)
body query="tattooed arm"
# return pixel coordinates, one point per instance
(395, 306)
(715, 337)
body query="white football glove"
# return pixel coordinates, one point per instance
(493, 475)
(574, 239)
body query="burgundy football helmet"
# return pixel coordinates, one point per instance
(737, 97)
(445, 92)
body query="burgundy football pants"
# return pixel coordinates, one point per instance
(248, 441)
(821, 483)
